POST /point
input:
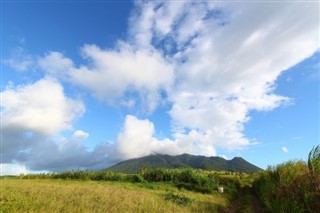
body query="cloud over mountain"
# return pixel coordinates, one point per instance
(209, 63)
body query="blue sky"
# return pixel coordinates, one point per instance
(86, 84)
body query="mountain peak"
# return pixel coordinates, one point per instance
(237, 164)
(237, 158)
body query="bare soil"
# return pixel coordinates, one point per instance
(254, 203)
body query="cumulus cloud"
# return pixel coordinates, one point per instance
(55, 64)
(41, 107)
(211, 62)
(42, 153)
(58, 155)
(137, 139)
(123, 73)
(228, 63)
(33, 115)
(213, 73)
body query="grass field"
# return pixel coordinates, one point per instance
(18, 195)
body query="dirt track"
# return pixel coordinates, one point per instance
(239, 204)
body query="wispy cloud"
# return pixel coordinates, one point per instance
(284, 149)
(80, 135)
(297, 138)
(20, 60)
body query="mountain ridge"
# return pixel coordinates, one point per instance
(237, 164)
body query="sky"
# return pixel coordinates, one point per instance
(87, 84)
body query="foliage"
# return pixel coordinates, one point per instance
(314, 159)
(180, 199)
(293, 186)
(187, 178)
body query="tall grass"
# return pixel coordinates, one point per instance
(293, 186)
(98, 196)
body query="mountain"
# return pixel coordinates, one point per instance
(237, 164)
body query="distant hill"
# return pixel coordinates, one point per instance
(237, 164)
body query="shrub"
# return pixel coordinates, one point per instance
(178, 199)
(186, 178)
(135, 178)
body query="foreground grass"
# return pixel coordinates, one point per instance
(293, 186)
(98, 196)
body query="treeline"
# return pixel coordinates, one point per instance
(291, 187)
(186, 178)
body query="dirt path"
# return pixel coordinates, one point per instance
(234, 205)
(256, 204)
(246, 201)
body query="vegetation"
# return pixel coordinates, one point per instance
(42, 195)
(180, 190)
(293, 186)
(188, 179)
(178, 198)
(314, 160)
(237, 164)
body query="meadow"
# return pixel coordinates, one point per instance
(151, 190)
(293, 186)
(54, 195)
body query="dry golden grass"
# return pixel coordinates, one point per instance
(97, 196)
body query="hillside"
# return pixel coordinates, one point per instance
(237, 164)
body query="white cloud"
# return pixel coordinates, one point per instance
(116, 74)
(41, 107)
(33, 116)
(80, 135)
(55, 64)
(125, 70)
(214, 61)
(213, 73)
(228, 64)
(12, 169)
(284, 149)
(138, 139)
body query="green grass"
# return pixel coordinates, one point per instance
(38, 195)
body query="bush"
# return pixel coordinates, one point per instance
(135, 178)
(187, 178)
(178, 199)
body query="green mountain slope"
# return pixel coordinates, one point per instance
(237, 164)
